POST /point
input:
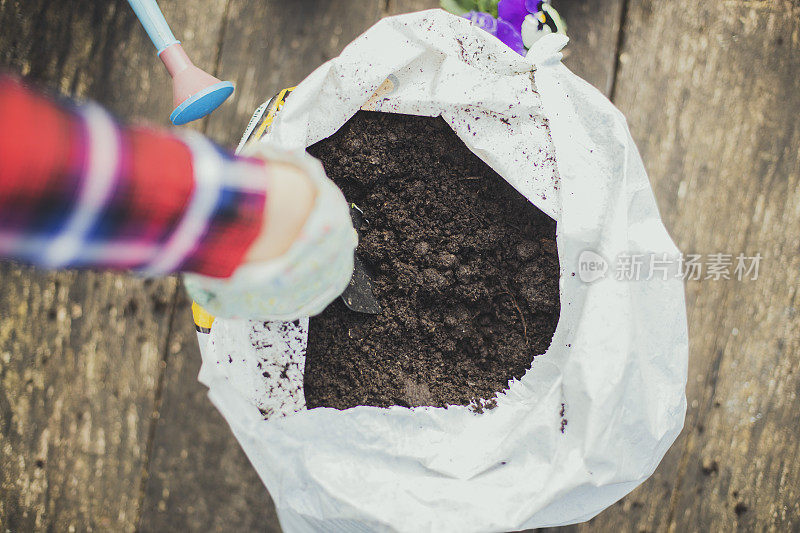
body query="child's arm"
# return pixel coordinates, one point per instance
(79, 190)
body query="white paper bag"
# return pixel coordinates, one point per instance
(593, 416)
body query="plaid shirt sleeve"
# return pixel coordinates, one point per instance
(78, 190)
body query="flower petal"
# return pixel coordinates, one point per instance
(513, 12)
(482, 20)
(533, 30)
(510, 36)
(533, 6)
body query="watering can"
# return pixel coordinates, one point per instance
(195, 93)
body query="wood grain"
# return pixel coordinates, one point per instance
(81, 353)
(200, 479)
(593, 28)
(396, 7)
(711, 91)
(79, 364)
(269, 45)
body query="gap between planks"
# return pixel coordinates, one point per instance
(157, 399)
(623, 19)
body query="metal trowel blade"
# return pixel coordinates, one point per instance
(359, 296)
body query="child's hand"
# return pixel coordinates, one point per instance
(290, 199)
(303, 258)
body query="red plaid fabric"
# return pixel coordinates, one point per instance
(78, 190)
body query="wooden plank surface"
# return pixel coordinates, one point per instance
(81, 353)
(711, 91)
(200, 480)
(711, 94)
(270, 45)
(593, 28)
(76, 398)
(397, 7)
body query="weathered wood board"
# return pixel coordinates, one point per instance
(79, 364)
(271, 45)
(199, 477)
(397, 7)
(712, 94)
(81, 354)
(593, 28)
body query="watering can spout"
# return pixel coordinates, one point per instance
(195, 92)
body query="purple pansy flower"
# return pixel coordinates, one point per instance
(500, 28)
(515, 11)
(510, 35)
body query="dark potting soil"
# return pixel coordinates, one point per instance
(465, 268)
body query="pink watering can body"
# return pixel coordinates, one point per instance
(195, 93)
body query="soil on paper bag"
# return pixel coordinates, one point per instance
(465, 268)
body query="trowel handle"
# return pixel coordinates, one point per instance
(154, 23)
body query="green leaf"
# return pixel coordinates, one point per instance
(458, 7)
(487, 6)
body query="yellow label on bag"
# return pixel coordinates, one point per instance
(274, 106)
(262, 118)
(203, 320)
